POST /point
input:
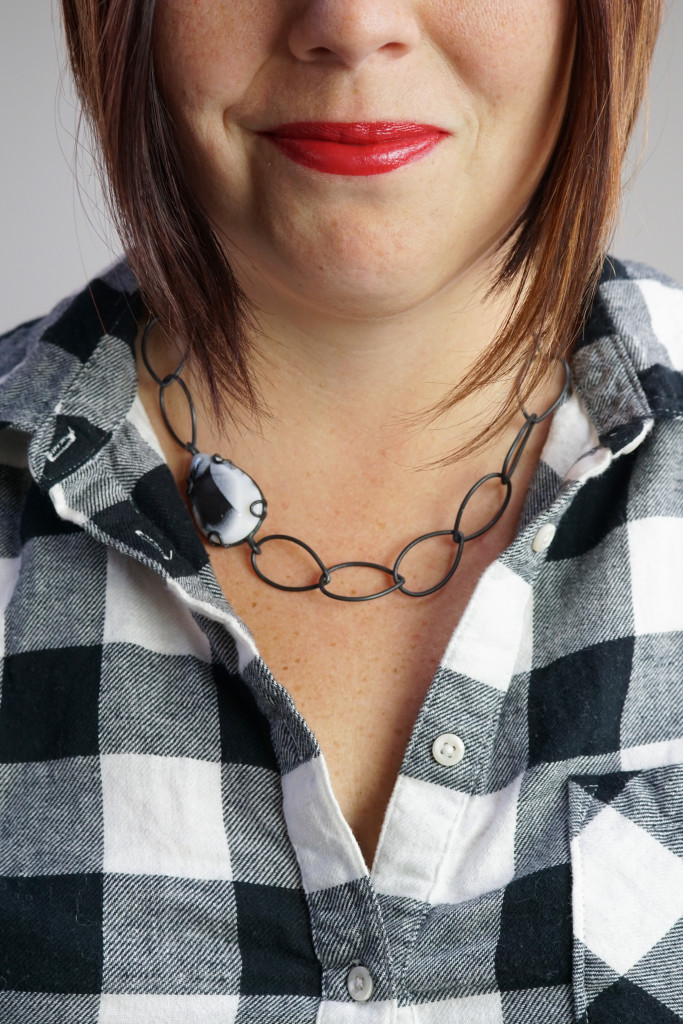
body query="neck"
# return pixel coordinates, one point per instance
(336, 456)
(369, 379)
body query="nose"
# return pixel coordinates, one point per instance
(349, 32)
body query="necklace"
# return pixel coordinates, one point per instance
(229, 507)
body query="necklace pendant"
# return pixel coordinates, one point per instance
(227, 504)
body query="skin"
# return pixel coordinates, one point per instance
(372, 299)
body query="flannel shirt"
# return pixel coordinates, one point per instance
(171, 851)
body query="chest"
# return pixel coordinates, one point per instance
(357, 673)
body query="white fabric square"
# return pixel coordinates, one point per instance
(167, 1009)
(480, 856)
(652, 755)
(571, 434)
(656, 557)
(420, 820)
(140, 609)
(163, 816)
(486, 644)
(325, 846)
(591, 463)
(137, 415)
(483, 1009)
(356, 1013)
(665, 306)
(627, 889)
(9, 574)
(525, 652)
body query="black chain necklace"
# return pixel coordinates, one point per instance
(229, 507)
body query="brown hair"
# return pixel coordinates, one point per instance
(553, 255)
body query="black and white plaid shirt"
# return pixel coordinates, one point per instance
(170, 849)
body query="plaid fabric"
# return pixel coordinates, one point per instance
(170, 848)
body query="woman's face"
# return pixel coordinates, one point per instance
(322, 222)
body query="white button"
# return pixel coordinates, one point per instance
(359, 984)
(544, 538)
(448, 749)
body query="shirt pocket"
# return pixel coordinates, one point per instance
(626, 832)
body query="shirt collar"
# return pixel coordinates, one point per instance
(626, 366)
(70, 378)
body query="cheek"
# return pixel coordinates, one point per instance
(207, 52)
(504, 50)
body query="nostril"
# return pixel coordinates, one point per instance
(394, 49)
(351, 31)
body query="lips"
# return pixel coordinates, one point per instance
(354, 149)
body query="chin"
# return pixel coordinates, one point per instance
(351, 275)
(374, 290)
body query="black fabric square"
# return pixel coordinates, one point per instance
(621, 436)
(598, 508)
(664, 388)
(97, 311)
(39, 518)
(275, 942)
(535, 943)
(157, 497)
(50, 704)
(576, 702)
(245, 732)
(613, 270)
(125, 524)
(14, 485)
(599, 324)
(51, 933)
(625, 1003)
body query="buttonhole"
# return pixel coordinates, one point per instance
(150, 540)
(65, 442)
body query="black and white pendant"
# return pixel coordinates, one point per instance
(228, 506)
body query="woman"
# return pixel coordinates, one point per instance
(361, 238)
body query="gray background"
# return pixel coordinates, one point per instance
(55, 235)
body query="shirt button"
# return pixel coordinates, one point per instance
(448, 749)
(359, 984)
(544, 538)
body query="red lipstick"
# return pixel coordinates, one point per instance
(354, 149)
